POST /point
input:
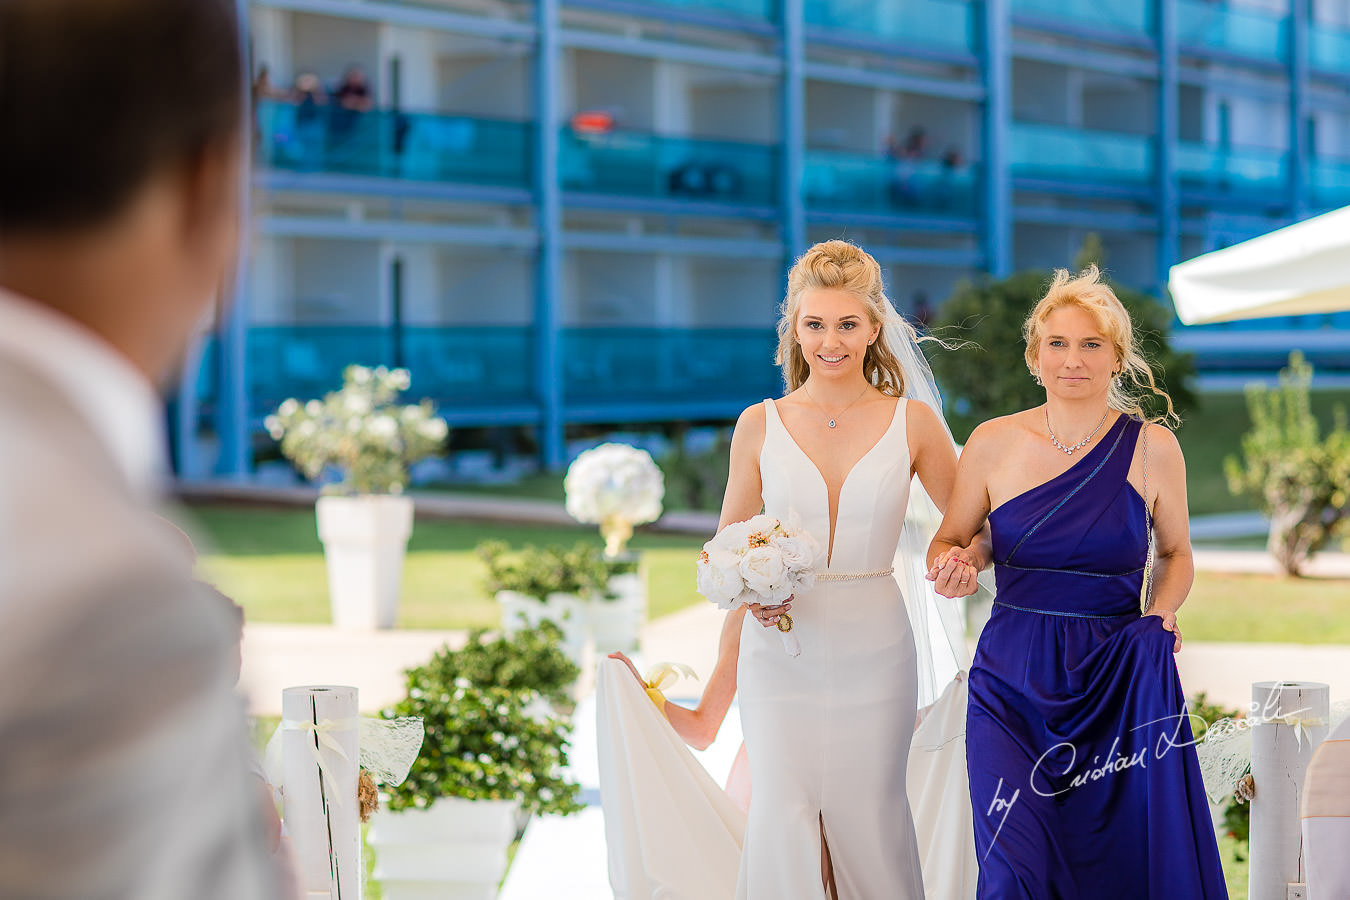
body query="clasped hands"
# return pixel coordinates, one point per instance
(954, 572)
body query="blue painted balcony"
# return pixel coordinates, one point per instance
(662, 365)
(1133, 18)
(458, 367)
(1330, 183)
(1235, 172)
(637, 164)
(1062, 154)
(394, 144)
(1205, 27)
(852, 182)
(486, 373)
(758, 10)
(1330, 49)
(942, 24)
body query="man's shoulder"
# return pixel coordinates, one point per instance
(65, 509)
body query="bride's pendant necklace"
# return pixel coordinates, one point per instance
(1081, 444)
(832, 419)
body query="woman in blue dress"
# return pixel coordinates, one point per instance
(1083, 780)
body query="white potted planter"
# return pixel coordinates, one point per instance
(365, 539)
(453, 850)
(617, 620)
(567, 611)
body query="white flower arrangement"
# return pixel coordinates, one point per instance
(616, 487)
(760, 560)
(361, 430)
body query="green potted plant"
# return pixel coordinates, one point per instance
(363, 520)
(544, 584)
(495, 746)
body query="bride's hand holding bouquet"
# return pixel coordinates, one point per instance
(760, 563)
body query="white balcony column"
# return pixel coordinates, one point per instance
(415, 51)
(670, 97)
(270, 30)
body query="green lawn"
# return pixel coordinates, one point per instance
(269, 560)
(1215, 431)
(1267, 608)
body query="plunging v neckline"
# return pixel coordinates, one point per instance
(833, 519)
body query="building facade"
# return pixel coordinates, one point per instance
(560, 212)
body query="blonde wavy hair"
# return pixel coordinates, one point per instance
(1089, 293)
(841, 266)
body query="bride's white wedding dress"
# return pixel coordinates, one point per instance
(828, 732)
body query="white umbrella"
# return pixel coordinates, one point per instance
(1301, 269)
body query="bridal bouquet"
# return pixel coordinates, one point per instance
(760, 560)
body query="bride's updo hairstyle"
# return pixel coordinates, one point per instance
(841, 266)
(1089, 293)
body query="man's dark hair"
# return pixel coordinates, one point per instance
(96, 96)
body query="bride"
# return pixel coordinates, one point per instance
(828, 733)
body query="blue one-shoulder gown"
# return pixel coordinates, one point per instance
(1083, 779)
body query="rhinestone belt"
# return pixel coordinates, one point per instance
(853, 576)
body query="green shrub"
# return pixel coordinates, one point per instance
(490, 732)
(1300, 480)
(537, 572)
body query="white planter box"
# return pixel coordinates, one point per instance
(567, 611)
(364, 541)
(454, 850)
(615, 624)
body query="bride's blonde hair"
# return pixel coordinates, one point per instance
(1089, 293)
(841, 266)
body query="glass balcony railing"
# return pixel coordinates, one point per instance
(1206, 25)
(393, 144)
(634, 164)
(1060, 153)
(1133, 17)
(947, 24)
(1330, 49)
(655, 364)
(764, 10)
(1330, 182)
(1231, 170)
(851, 182)
(462, 366)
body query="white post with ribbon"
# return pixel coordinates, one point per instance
(1289, 719)
(320, 744)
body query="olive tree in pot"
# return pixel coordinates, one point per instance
(364, 520)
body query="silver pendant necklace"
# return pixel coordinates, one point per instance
(1081, 444)
(832, 419)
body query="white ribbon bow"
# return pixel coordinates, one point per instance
(323, 738)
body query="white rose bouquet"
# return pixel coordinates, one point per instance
(615, 486)
(360, 429)
(760, 560)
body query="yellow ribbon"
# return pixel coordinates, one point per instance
(321, 731)
(662, 676)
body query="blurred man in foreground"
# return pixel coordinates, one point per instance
(122, 747)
